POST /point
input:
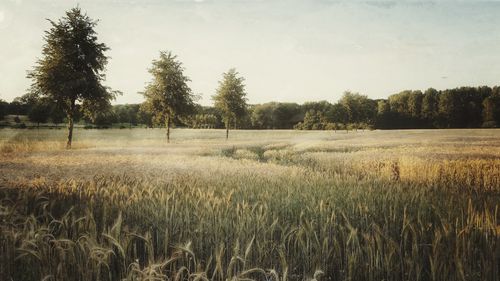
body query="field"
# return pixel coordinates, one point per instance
(265, 205)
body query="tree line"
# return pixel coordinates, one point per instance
(67, 86)
(464, 107)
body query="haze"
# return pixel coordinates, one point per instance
(287, 50)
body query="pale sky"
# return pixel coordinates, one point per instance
(287, 50)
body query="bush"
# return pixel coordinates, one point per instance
(298, 126)
(20, 126)
(490, 124)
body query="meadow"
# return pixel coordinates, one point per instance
(264, 205)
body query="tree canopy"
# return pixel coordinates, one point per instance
(71, 68)
(230, 98)
(168, 95)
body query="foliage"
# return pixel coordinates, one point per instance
(168, 95)
(71, 68)
(3, 108)
(359, 107)
(464, 107)
(57, 115)
(204, 121)
(491, 112)
(230, 98)
(39, 113)
(275, 115)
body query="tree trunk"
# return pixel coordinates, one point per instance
(227, 132)
(168, 129)
(70, 124)
(70, 132)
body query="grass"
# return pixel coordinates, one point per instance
(265, 205)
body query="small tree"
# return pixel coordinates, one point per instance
(39, 113)
(167, 95)
(70, 70)
(230, 98)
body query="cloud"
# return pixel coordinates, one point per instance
(382, 4)
(2, 16)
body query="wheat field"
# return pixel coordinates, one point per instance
(265, 205)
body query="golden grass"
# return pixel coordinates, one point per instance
(270, 205)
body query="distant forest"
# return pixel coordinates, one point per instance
(464, 107)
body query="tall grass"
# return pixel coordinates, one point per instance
(284, 209)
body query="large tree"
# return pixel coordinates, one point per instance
(70, 71)
(430, 102)
(415, 104)
(168, 95)
(230, 98)
(359, 107)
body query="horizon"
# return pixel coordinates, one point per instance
(318, 48)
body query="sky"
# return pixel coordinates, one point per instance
(293, 51)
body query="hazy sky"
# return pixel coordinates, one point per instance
(287, 50)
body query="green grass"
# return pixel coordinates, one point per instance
(265, 205)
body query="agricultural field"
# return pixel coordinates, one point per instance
(264, 205)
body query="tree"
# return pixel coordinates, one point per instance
(450, 108)
(322, 106)
(491, 111)
(168, 95)
(286, 115)
(415, 104)
(70, 70)
(399, 103)
(215, 119)
(144, 116)
(39, 113)
(126, 113)
(263, 116)
(203, 121)
(230, 98)
(359, 107)
(20, 105)
(430, 103)
(3, 108)
(383, 115)
(339, 114)
(56, 115)
(102, 115)
(314, 120)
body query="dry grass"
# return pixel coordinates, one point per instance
(267, 205)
